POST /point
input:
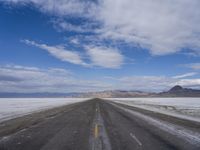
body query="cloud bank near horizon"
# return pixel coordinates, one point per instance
(16, 78)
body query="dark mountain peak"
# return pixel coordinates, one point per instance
(176, 88)
(178, 91)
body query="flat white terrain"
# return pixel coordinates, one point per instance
(187, 108)
(15, 107)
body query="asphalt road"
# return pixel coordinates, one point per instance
(99, 125)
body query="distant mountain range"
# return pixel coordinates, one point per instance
(102, 94)
(116, 94)
(176, 91)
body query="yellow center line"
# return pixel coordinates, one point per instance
(96, 131)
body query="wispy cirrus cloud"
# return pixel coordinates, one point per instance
(190, 74)
(59, 52)
(156, 83)
(147, 83)
(62, 25)
(57, 8)
(98, 56)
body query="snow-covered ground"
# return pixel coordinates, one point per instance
(15, 107)
(187, 108)
(177, 130)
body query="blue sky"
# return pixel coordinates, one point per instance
(79, 46)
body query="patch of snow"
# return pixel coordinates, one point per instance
(183, 133)
(15, 107)
(185, 108)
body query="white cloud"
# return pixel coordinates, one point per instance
(155, 83)
(99, 56)
(185, 75)
(15, 78)
(61, 25)
(60, 53)
(105, 57)
(57, 7)
(147, 83)
(162, 27)
(68, 27)
(74, 41)
(192, 83)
